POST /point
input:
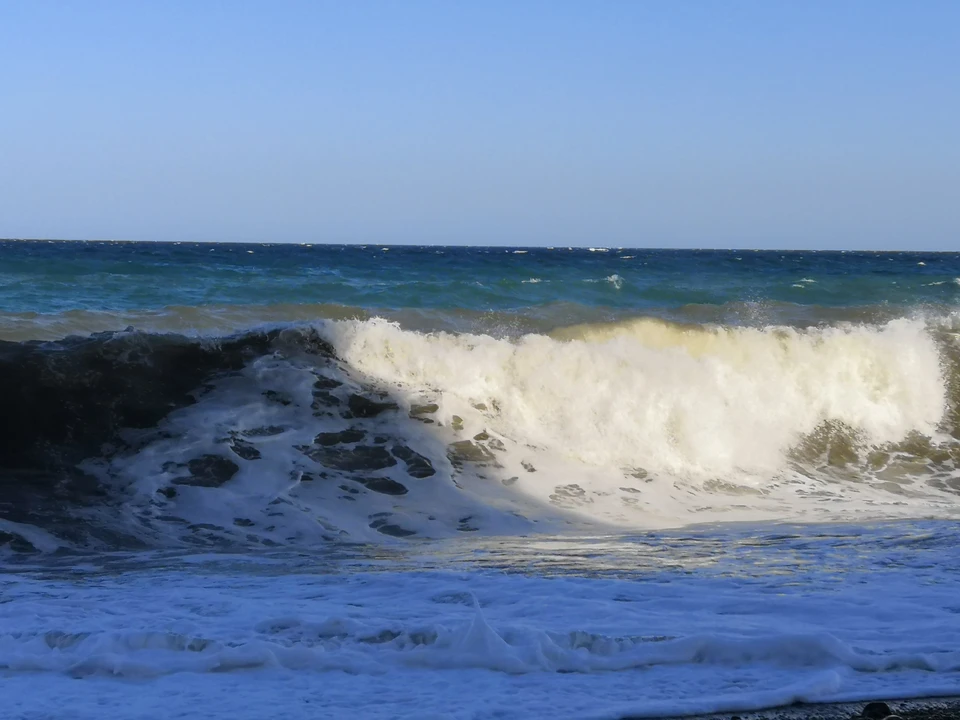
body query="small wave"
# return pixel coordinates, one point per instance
(204, 320)
(599, 249)
(347, 644)
(519, 252)
(615, 280)
(532, 281)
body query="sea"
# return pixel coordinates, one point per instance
(293, 481)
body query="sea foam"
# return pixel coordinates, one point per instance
(691, 401)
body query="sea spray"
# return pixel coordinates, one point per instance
(692, 401)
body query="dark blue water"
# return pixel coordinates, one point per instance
(56, 277)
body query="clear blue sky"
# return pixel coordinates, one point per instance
(708, 124)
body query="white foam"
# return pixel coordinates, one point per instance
(269, 498)
(693, 409)
(40, 539)
(631, 425)
(217, 638)
(696, 402)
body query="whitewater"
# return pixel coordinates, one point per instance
(331, 482)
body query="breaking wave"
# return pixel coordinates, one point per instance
(361, 429)
(686, 400)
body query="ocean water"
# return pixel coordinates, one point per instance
(249, 481)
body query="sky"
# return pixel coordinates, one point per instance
(815, 124)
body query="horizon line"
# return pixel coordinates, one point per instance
(563, 246)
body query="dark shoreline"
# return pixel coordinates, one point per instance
(941, 708)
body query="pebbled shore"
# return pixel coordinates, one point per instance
(946, 708)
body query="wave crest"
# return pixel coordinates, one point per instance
(692, 400)
(366, 430)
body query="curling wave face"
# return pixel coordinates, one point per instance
(367, 429)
